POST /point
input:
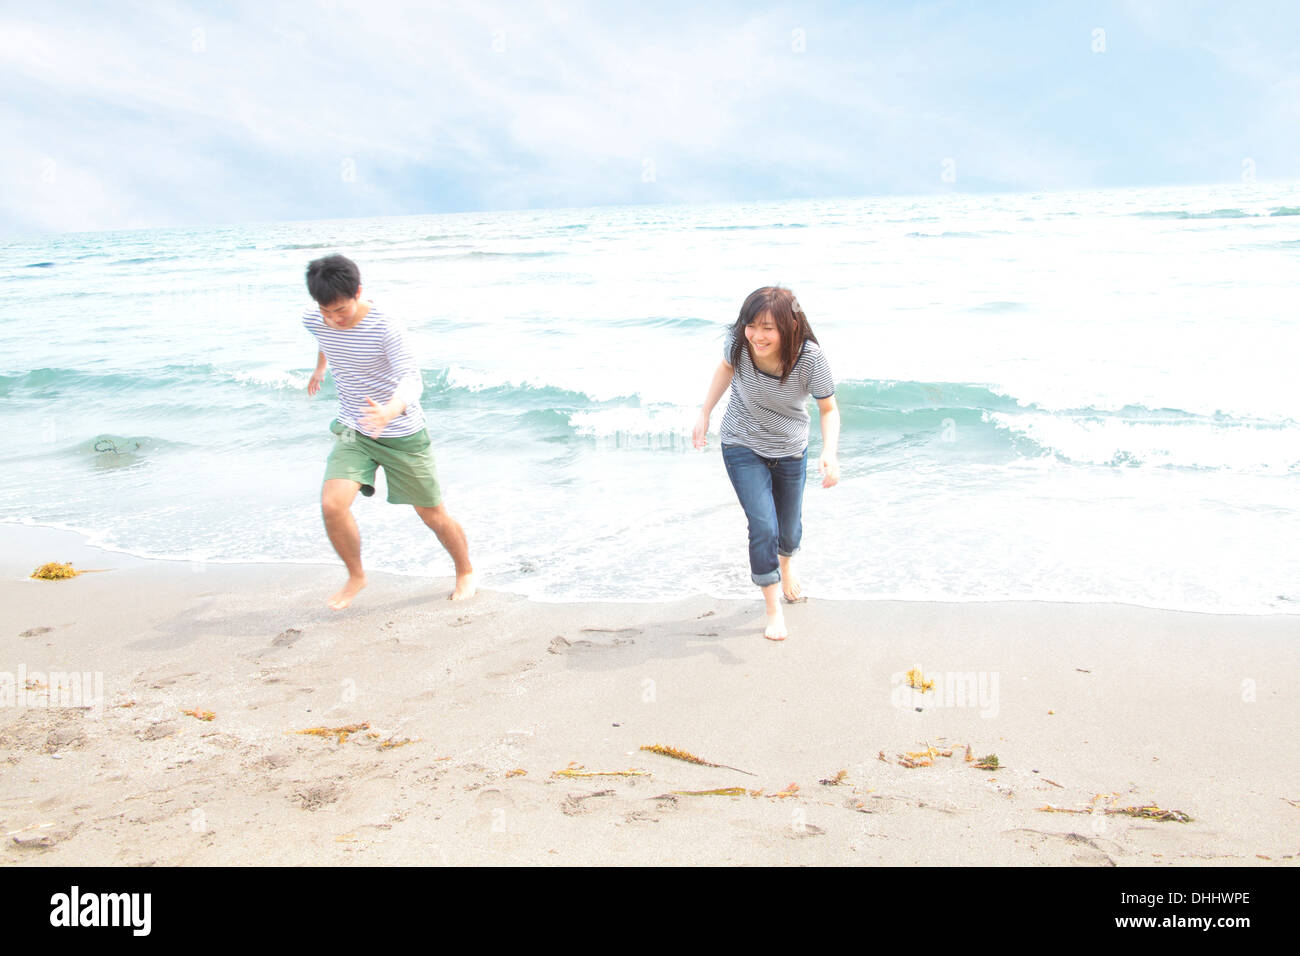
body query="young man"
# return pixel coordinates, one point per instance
(380, 422)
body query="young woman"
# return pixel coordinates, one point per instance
(771, 361)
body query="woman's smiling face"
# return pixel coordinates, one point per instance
(764, 337)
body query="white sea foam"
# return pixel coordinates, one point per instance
(1103, 317)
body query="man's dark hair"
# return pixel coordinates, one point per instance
(333, 278)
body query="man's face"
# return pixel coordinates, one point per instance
(342, 313)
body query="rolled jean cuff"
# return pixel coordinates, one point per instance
(763, 580)
(787, 554)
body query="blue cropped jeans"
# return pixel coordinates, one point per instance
(771, 492)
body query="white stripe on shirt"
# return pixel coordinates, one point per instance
(371, 359)
(767, 416)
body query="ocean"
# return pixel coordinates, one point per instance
(1083, 396)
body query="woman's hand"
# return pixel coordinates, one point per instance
(830, 467)
(830, 463)
(313, 385)
(721, 379)
(700, 434)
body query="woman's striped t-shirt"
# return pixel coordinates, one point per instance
(766, 416)
(371, 359)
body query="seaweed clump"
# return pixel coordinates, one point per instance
(54, 571)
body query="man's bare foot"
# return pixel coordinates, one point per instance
(775, 630)
(465, 588)
(346, 593)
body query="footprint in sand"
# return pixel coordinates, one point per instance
(575, 804)
(623, 635)
(159, 730)
(803, 831)
(169, 679)
(287, 638)
(41, 839)
(317, 795)
(492, 798)
(65, 738)
(1084, 851)
(627, 631)
(276, 760)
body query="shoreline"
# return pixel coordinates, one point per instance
(25, 536)
(1090, 707)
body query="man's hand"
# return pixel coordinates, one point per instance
(830, 468)
(376, 419)
(313, 385)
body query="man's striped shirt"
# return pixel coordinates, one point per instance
(371, 360)
(766, 416)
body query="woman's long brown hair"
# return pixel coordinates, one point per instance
(790, 321)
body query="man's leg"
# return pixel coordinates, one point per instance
(336, 496)
(452, 537)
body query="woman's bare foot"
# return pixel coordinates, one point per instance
(465, 588)
(790, 585)
(775, 630)
(346, 593)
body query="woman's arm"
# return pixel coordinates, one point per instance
(721, 382)
(830, 461)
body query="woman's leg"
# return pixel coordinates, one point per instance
(752, 479)
(789, 476)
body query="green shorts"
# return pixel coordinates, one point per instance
(407, 463)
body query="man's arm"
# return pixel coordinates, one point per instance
(318, 376)
(410, 383)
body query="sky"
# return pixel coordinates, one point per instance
(140, 115)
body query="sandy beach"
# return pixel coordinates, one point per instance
(463, 714)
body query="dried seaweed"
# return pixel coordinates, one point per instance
(391, 743)
(836, 780)
(917, 680)
(719, 792)
(988, 762)
(341, 733)
(921, 758)
(929, 752)
(790, 790)
(517, 772)
(689, 757)
(1149, 812)
(199, 714)
(56, 571)
(1152, 812)
(577, 770)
